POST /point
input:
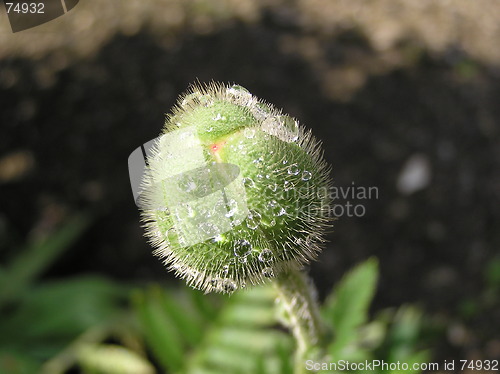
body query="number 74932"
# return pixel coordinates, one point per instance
(479, 365)
(33, 8)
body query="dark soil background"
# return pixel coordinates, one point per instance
(70, 120)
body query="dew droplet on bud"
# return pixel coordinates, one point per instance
(260, 111)
(240, 95)
(266, 255)
(287, 186)
(232, 205)
(190, 211)
(253, 220)
(290, 127)
(293, 169)
(248, 182)
(229, 286)
(272, 204)
(242, 248)
(249, 132)
(187, 184)
(272, 187)
(268, 272)
(306, 175)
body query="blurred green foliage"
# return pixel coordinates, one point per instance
(93, 325)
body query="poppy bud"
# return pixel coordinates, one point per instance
(235, 191)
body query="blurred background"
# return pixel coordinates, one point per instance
(404, 95)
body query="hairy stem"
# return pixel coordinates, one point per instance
(298, 298)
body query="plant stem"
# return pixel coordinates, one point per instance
(298, 297)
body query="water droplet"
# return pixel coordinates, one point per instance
(190, 99)
(248, 182)
(258, 162)
(282, 212)
(209, 228)
(284, 127)
(272, 204)
(268, 272)
(309, 240)
(285, 162)
(236, 89)
(214, 282)
(291, 128)
(242, 248)
(243, 260)
(270, 126)
(187, 184)
(196, 98)
(233, 208)
(273, 187)
(293, 169)
(249, 132)
(240, 95)
(182, 240)
(225, 269)
(229, 286)
(236, 221)
(306, 175)
(272, 222)
(287, 186)
(190, 211)
(253, 220)
(266, 255)
(219, 238)
(206, 100)
(218, 117)
(260, 111)
(175, 267)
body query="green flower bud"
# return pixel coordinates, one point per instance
(235, 192)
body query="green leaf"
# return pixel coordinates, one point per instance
(347, 308)
(17, 363)
(112, 359)
(187, 321)
(242, 338)
(37, 256)
(160, 331)
(492, 273)
(52, 314)
(404, 334)
(233, 334)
